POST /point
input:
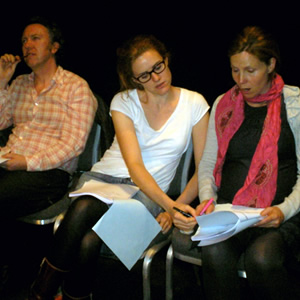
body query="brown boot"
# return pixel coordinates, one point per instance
(47, 283)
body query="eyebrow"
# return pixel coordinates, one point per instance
(146, 72)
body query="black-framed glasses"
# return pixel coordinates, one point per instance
(157, 69)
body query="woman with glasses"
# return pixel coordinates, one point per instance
(154, 124)
(252, 158)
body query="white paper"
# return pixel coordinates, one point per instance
(107, 192)
(226, 221)
(127, 228)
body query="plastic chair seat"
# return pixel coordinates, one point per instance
(49, 214)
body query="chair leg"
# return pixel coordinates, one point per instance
(149, 254)
(146, 274)
(169, 271)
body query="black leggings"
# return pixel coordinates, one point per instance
(76, 246)
(264, 262)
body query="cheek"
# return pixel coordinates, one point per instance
(234, 77)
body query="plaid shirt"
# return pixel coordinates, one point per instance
(50, 129)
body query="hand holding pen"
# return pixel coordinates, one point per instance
(186, 225)
(205, 208)
(186, 214)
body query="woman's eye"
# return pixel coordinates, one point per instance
(144, 76)
(158, 67)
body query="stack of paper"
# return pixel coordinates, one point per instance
(226, 221)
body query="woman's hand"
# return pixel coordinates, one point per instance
(165, 221)
(200, 207)
(273, 217)
(182, 222)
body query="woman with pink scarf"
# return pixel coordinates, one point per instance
(252, 158)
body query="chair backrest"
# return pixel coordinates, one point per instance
(183, 172)
(91, 152)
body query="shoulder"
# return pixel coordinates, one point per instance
(217, 101)
(128, 97)
(189, 95)
(291, 93)
(292, 103)
(195, 100)
(67, 77)
(126, 102)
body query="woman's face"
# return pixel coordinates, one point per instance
(147, 63)
(250, 74)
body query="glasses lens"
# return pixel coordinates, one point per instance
(144, 78)
(159, 68)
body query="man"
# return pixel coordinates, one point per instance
(51, 111)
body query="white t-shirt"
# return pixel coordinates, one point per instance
(161, 149)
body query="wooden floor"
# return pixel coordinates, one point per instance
(31, 246)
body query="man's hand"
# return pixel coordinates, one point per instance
(8, 64)
(15, 162)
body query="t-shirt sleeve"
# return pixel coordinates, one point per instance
(123, 103)
(199, 107)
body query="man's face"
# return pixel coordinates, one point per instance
(37, 46)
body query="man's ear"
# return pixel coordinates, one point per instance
(55, 47)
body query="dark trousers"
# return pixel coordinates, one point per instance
(22, 192)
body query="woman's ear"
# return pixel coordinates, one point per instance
(272, 65)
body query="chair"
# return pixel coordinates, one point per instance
(176, 188)
(184, 249)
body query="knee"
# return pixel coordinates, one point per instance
(214, 256)
(90, 246)
(85, 205)
(265, 259)
(82, 204)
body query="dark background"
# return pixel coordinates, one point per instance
(197, 35)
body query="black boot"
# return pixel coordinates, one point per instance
(47, 283)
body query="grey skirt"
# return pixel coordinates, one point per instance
(152, 207)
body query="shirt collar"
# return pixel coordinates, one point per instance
(57, 78)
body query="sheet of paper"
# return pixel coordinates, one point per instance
(107, 192)
(127, 228)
